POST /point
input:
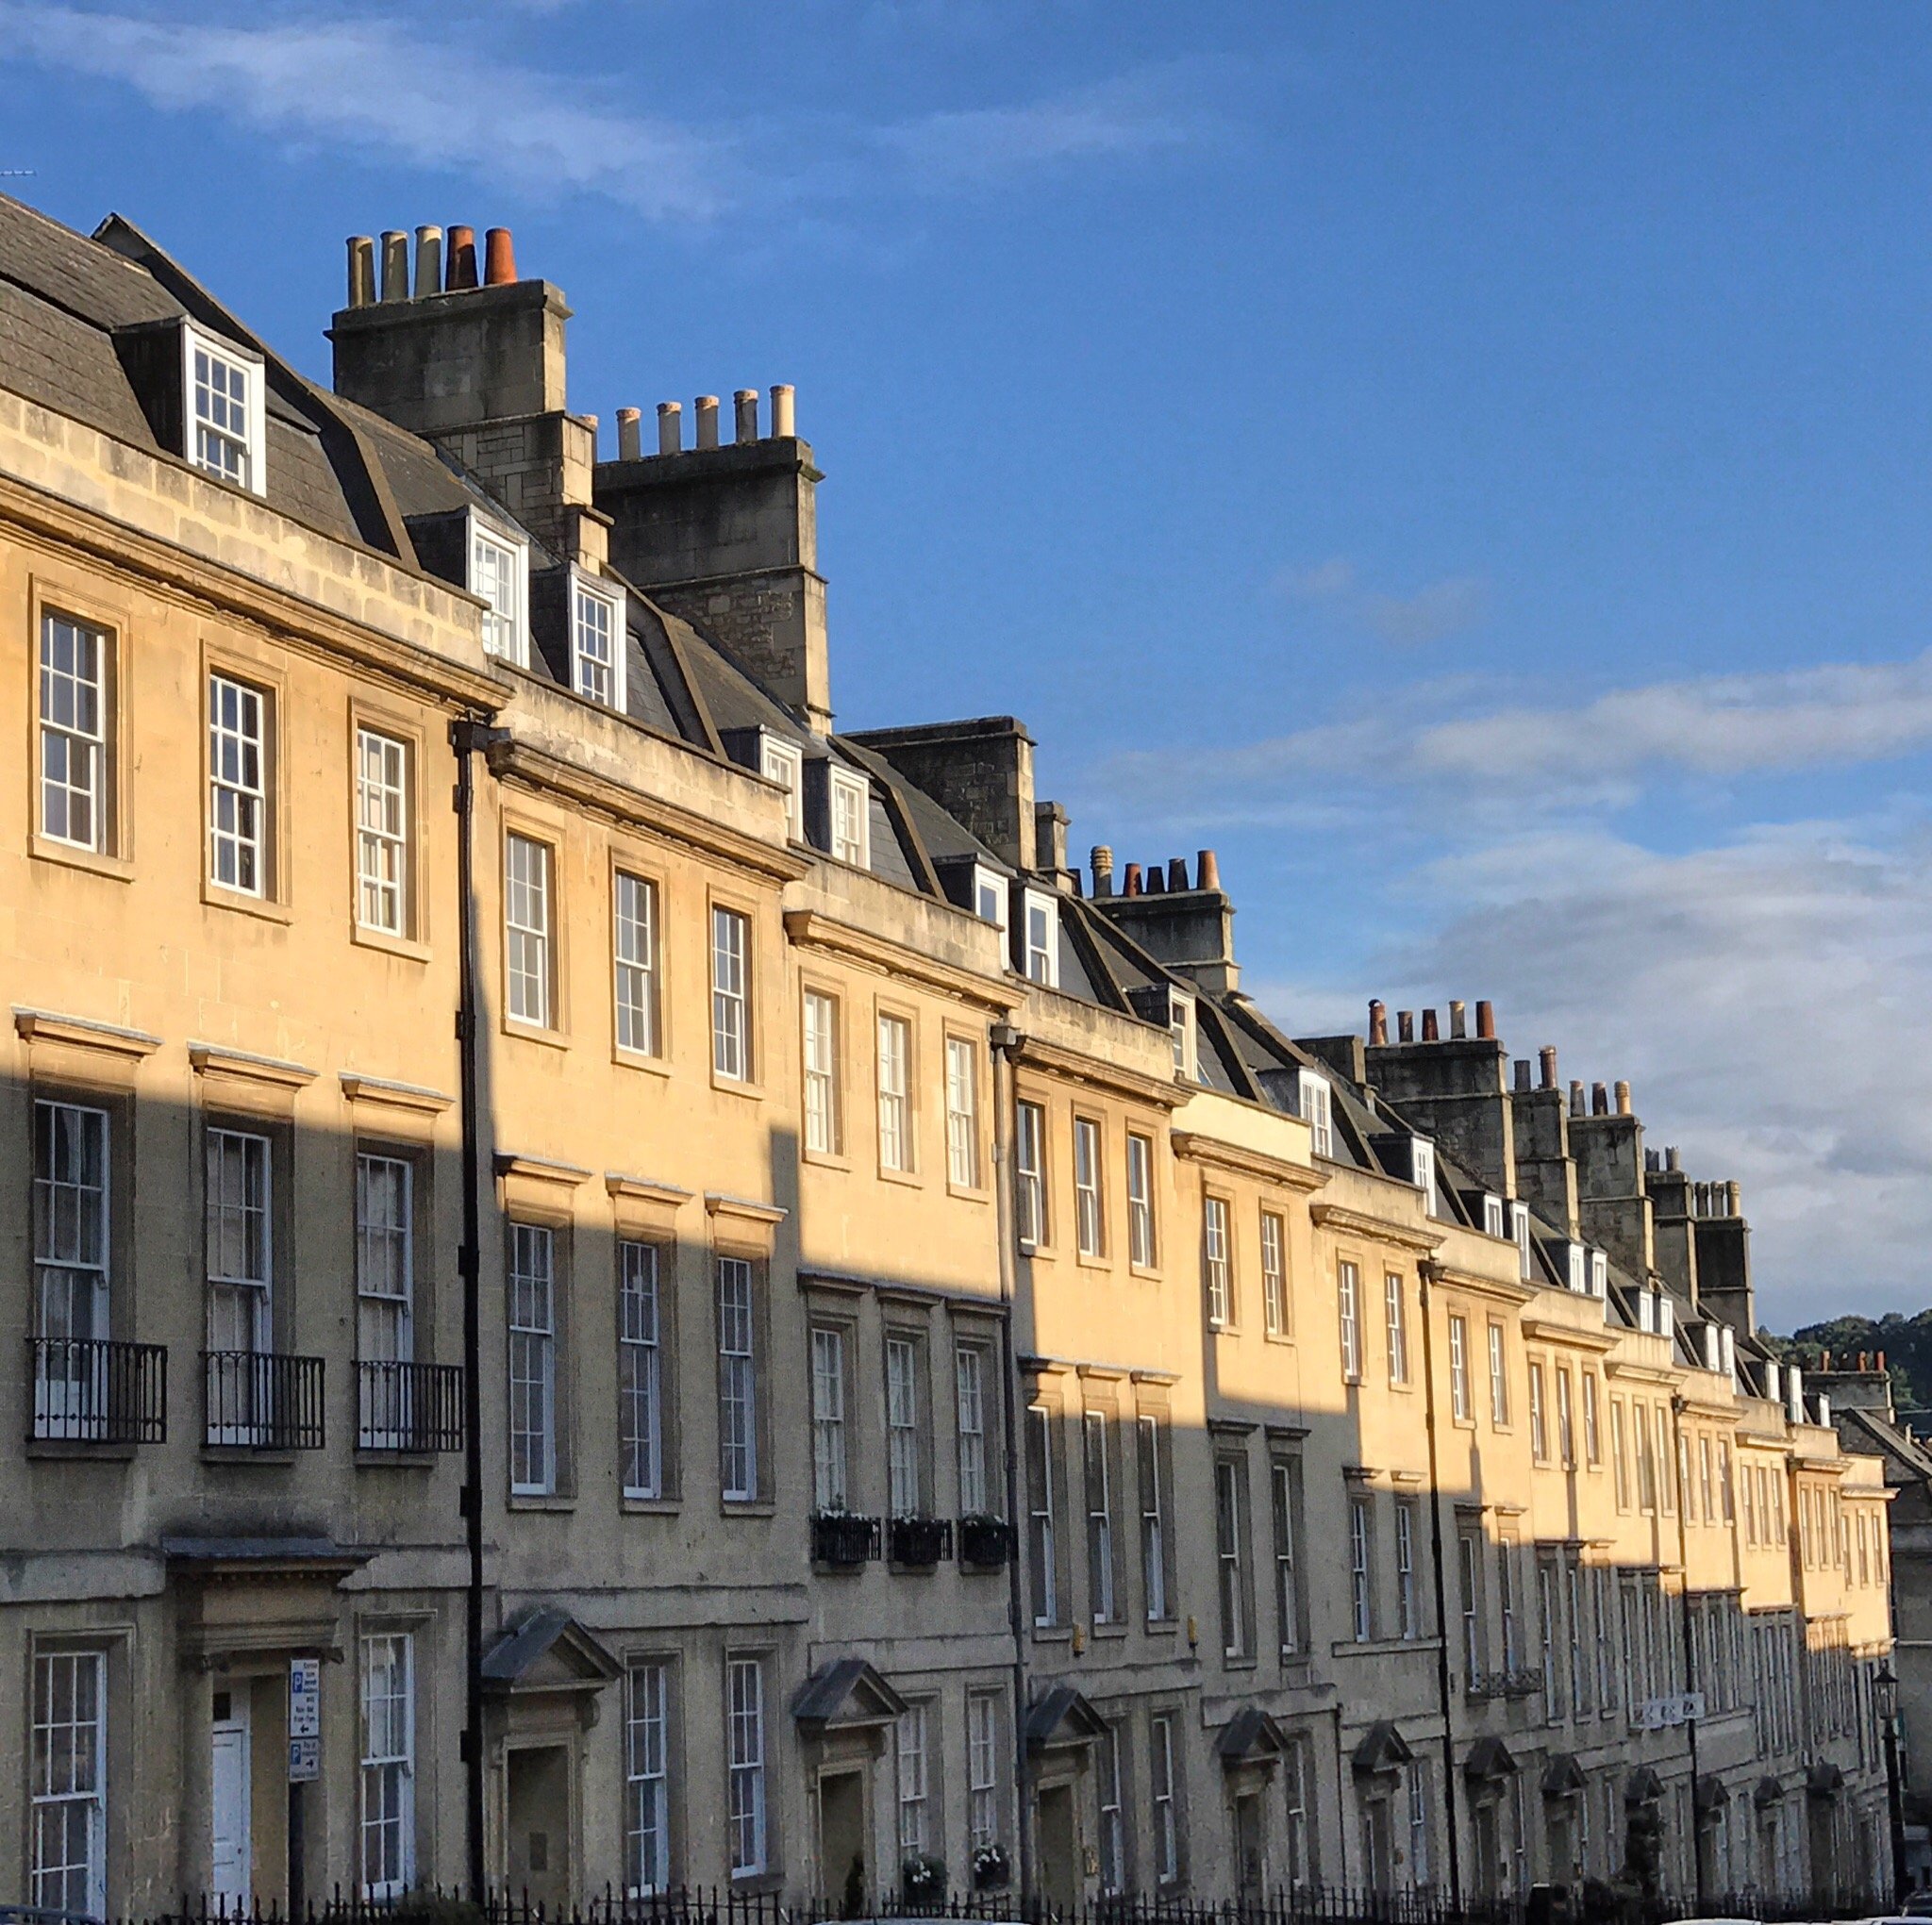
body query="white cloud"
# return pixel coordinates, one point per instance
(1439, 608)
(380, 82)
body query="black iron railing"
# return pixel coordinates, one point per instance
(1524, 1683)
(844, 1539)
(920, 1543)
(88, 1390)
(262, 1401)
(414, 1407)
(985, 1543)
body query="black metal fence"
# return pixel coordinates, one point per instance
(410, 1407)
(262, 1401)
(88, 1390)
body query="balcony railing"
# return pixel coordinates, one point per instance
(985, 1543)
(87, 1390)
(261, 1401)
(1524, 1683)
(843, 1540)
(920, 1543)
(408, 1407)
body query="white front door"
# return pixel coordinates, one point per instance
(230, 1870)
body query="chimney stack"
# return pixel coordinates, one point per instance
(1405, 1026)
(499, 258)
(1486, 1022)
(362, 272)
(395, 264)
(746, 403)
(783, 399)
(1378, 1022)
(1547, 1057)
(1599, 1099)
(1430, 1033)
(1623, 1098)
(429, 262)
(631, 434)
(1458, 1023)
(460, 271)
(1523, 1075)
(670, 427)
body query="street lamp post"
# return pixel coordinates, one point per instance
(1885, 1686)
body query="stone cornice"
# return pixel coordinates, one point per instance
(1343, 1221)
(812, 929)
(1056, 1059)
(1236, 1158)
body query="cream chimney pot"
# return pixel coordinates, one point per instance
(670, 427)
(395, 264)
(631, 434)
(708, 421)
(783, 400)
(429, 262)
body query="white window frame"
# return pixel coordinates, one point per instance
(1029, 1172)
(1395, 1321)
(251, 440)
(1183, 1029)
(982, 1769)
(1316, 1099)
(895, 1038)
(1140, 1246)
(848, 812)
(1275, 1272)
(1458, 1368)
(1039, 962)
(731, 976)
(385, 1292)
(989, 891)
(1167, 1842)
(76, 1739)
(912, 1781)
(783, 762)
(505, 629)
(73, 1247)
(1495, 1217)
(387, 1771)
(1407, 1617)
(1499, 1375)
(1422, 1164)
(963, 1113)
(1097, 1436)
(1539, 1414)
(1285, 1506)
(1217, 1261)
(1519, 1230)
(532, 1295)
(597, 671)
(969, 1414)
(1113, 1869)
(1231, 1554)
(238, 823)
(830, 1459)
(1041, 1523)
(247, 1295)
(634, 946)
(529, 923)
(647, 1777)
(640, 1368)
(746, 1819)
(736, 1297)
(1089, 1214)
(906, 1426)
(383, 812)
(1348, 1302)
(1362, 1594)
(819, 1055)
(1148, 1433)
(74, 703)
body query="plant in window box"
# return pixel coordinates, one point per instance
(922, 1879)
(842, 1539)
(985, 1542)
(919, 1543)
(993, 1867)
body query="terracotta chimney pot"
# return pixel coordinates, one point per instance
(1206, 869)
(499, 258)
(1430, 1033)
(461, 268)
(1378, 1022)
(1486, 1022)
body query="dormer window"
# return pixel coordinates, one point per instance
(1666, 1317)
(1181, 1033)
(1576, 1254)
(1037, 948)
(1646, 1312)
(500, 574)
(1317, 1112)
(224, 415)
(1599, 1275)
(784, 763)
(1494, 1216)
(597, 643)
(1423, 1171)
(851, 825)
(1519, 1223)
(990, 896)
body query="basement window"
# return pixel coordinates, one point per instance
(222, 417)
(1317, 1112)
(851, 798)
(784, 763)
(500, 574)
(597, 643)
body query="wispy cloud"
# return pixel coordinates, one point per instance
(1439, 608)
(333, 77)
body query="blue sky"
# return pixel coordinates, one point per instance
(1463, 463)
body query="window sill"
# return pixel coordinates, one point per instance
(533, 1033)
(825, 1159)
(738, 1086)
(1381, 1647)
(1097, 1263)
(652, 1506)
(1144, 1273)
(978, 1193)
(1053, 1633)
(407, 947)
(265, 908)
(531, 1501)
(636, 1059)
(1114, 1629)
(1282, 1336)
(910, 1178)
(78, 1450)
(1160, 1627)
(247, 1454)
(49, 849)
(1237, 1662)
(747, 1507)
(395, 1460)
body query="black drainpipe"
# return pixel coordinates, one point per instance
(467, 737)
(1428, 1272)
(1680, 1472)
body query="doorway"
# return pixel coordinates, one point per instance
(538, 1814)
(231, 1854)
(1059, 1847)
(1250, 1845)
(842, 1842)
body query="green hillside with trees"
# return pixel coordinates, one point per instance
(1906, 1343)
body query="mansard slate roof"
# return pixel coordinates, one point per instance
(67, 306)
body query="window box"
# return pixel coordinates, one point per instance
(89, 1391)
(413, 1408)
(843, 1540)
(920, 1543)
(985, 1543)
(261, 1401)
(1484, 1686)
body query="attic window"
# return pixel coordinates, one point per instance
(1039, 946)
(1180, 1030)
(500, 574)
(597, 643)
(1492, 1217)
(224, 414)
(1518, 1218)
(851, 796)
(1599, 1275)
(784, 763)
(990, 896)
(1423, 1169)
(1576, 1255)
(1317, 1112)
